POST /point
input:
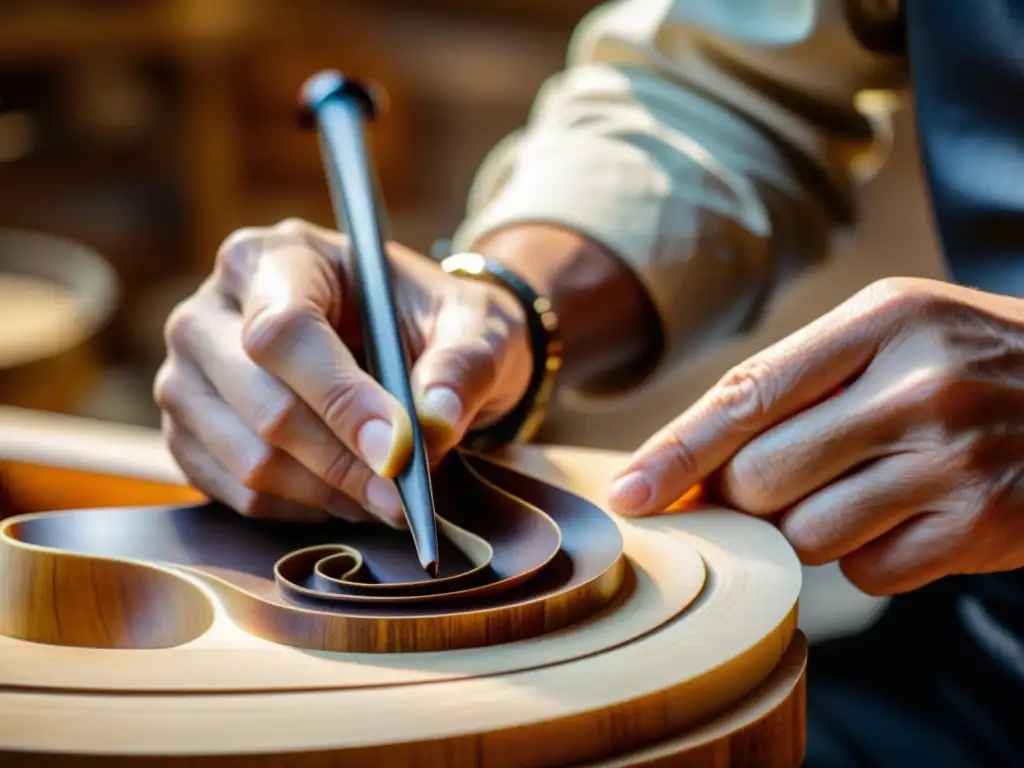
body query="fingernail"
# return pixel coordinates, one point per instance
(443, 403)
(375, 441)
(630, 493)
(383, 500)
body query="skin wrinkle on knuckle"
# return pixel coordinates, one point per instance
(752, 482)
(497, 336)
(254, 465)
(472, 361)
(181, 326)
(896, 309)
(743, 394)
(341, 472)
(811, 536)
(277, 416)
(293, 230)
(681, 459)
(272, 330)
(234, 262)
(897, 295)
(347, 401)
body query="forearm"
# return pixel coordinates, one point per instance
(690, 178)
(622, 339)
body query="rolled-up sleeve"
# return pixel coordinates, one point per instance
(639, 146)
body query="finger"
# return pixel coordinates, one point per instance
(254, 464)
(809, 451)
(793, 374)
(213, 479)
(862, 507)
(454, 378)
(277, 415)
(246, 458)
(239, 257)
(287, 332)
(919, 551)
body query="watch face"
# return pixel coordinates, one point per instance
(469, 263)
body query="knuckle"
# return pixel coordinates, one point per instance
(257, 505)
(943, 387)
(276, 416)
(293, 230)
(273, 329)
(682, 459)
(751, 478)
(810, 536)
(744, 394)
(868, 579)
(944, 394)
(472, 361)
(181, 327)
(255, 466)
(167, 389)
(901, 296)
(345, 401)
(237, 253)
(341, 472)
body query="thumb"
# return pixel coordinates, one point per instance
(454, 378)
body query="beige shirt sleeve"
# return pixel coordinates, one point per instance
(697, 140)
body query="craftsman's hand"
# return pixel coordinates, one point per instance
(265, 405)
(887, 435)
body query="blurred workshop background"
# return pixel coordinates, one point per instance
(145, 131)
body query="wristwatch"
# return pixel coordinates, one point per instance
(522, 422)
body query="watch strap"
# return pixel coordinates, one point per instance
(524, 419)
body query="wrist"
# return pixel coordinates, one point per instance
(543, 349)
(608, 326)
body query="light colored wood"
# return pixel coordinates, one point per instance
(55, 297)
(707, 613)
(768, 728)
(34, 313)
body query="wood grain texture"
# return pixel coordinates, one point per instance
(511, 571)
(696, 660)
(766, 729)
